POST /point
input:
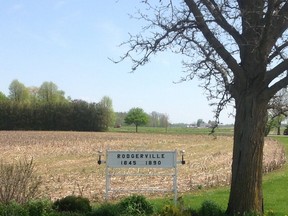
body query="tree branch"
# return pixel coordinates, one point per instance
(221, 21)
(278, 50)
(213, 41)
(279, 23)
(172, 32)
(271, 91)
(276, 71)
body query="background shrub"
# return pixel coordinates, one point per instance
(18, 182)
(65, 214)
(106, 209)
(72, 204)
(35, 208)
(170, 210)
(135, 205)
(177, 210)
(13, 209)
(210, 208)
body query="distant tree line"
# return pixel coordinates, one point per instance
(47, 108)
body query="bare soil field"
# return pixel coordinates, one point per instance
(67, 161)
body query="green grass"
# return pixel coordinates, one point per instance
(173, 130)
(275, 186)
(195, 199)
(275, 190)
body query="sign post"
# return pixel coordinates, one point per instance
(141, 159)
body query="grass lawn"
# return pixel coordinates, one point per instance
(275, 190)
(275, 187)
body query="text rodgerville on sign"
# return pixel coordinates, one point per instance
(144, 159)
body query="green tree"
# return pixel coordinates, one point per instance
(4, 114)
(239, 51)
(49, 93)
(33, 94)
(273, 122)
(108, 112)
(81, 115)
(3, 96)
(18, 92)
(137, 117)
(200, 122)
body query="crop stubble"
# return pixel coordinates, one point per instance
(67, 161)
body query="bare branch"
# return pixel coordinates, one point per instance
(225, 99)
(277, 86)
(279, 22)
(221, 21)
(210, 37)
(276, 71)
(278, 51)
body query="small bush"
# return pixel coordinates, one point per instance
(39, 207)
(135, 205)
(170, 210)
(18, 182)
(105, 209)
(35, 208)
(209, 208)
(13, 209)
(71, 203)
(270, 213)
(65, 214)
(176, 210)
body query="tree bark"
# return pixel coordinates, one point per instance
(246, 183)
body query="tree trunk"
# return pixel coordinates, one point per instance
(246, 183)
(278, 129)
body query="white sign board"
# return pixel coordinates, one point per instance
(141, 159)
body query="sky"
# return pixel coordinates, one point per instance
(69, 43)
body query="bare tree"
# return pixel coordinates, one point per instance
(277, 110)
(238, 49)
(19, 183)
(164, 121)
(154, 119)
(159, 120)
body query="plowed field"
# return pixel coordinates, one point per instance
(67, 161)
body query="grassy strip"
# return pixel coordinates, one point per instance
(275, 186)
(195, 199)
(174, 130)
(275, 192)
